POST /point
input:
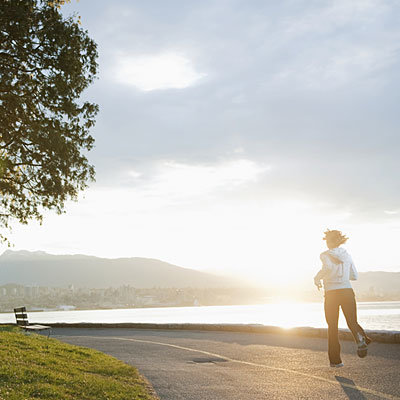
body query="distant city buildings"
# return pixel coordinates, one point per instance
(70, 297)
(56, 298)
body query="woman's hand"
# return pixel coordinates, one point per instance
(317, 283)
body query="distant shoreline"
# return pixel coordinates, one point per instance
(191, 306)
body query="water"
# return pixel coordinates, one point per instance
(371, 315)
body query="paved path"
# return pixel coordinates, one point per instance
(194, 365)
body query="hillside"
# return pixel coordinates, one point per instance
(42, 269)
(378, 283)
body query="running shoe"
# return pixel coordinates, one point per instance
(362, 351)
(336, 365)
(362, 347)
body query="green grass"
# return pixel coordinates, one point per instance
(34, 367)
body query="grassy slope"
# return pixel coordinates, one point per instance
(34, 367)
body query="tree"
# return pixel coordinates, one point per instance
(46, 62)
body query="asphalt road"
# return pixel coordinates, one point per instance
(196, 365)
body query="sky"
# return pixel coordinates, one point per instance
(232, 134)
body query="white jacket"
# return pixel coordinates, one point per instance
(336, 276)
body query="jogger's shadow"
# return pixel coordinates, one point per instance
(350, 388)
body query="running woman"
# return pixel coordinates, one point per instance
(336, 272)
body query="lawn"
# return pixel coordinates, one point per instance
(34, 367)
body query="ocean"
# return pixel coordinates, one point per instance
(383, 315)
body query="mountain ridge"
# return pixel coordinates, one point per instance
(43, 269)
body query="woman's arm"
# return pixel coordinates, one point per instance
(328, 255)
(320, 275)
(329, 260)
(334, 259)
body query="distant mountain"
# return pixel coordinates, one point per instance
(378, 282)
(42, 269)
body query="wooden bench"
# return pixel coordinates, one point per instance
(22, 321)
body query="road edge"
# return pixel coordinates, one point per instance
(376, 336)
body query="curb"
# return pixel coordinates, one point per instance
(344, 334)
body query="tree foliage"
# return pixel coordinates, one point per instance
(46, 62)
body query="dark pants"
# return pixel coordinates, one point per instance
(333, 300)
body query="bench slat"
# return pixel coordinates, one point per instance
(37, 327)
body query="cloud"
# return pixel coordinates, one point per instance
(179, 180)
(165, 183)
(342, 65)
(156, 71)
(329, 16)
(391, 212)
(308, 87)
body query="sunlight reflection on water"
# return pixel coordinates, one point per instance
(375, 316)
